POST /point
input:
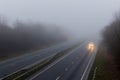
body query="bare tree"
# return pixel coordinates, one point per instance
(111, 37)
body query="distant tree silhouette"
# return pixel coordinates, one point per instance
(111, 37)
(23, 37)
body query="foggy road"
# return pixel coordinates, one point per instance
(74, 34)
(13, 65)
(76, 65)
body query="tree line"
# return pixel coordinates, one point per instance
(23, 36)
(111, 37)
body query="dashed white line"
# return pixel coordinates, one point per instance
(48, 67)
(94, 73)
(58, 78)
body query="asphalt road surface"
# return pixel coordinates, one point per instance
(75, 65)
(12, 65)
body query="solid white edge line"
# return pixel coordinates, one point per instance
(28, 65)
(54, 63)
(57, 78)
(25, 67)
(94, 73)
(87, 67)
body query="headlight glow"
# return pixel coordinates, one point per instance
(91, 47)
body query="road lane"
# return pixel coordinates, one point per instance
(80, 71)
(76, 71)
(60, 69)
(12, 65)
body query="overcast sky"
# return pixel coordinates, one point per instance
(83, 17)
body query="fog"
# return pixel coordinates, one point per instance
(81, 18)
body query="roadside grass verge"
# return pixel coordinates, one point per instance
(97, 71)
(25, 73)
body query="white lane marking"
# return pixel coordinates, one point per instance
(58, 78)
(82, 78)
(55, 63)
(94, 73)
(25, 67)
(66, 69)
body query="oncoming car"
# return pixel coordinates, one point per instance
(91, 47)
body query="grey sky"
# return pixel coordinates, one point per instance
(80, 16)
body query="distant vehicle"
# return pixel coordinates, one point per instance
(91, 46)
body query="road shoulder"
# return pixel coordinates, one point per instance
(98, 72)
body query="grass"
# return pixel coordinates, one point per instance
(99, 63)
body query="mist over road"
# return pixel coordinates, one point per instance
(15, 64)
(76, 65)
